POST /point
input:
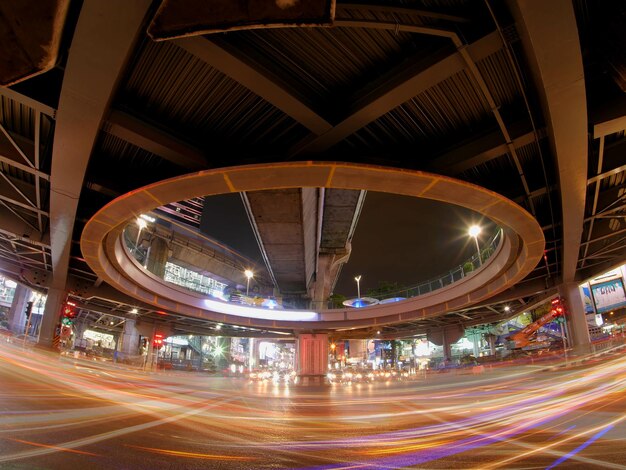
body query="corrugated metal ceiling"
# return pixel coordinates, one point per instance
(331, 63)
(452, 110)
(195, 100)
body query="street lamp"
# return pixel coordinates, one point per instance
(474, 231)
(249, 274)
(358, 286)
(141, 223)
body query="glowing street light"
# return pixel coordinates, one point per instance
(474, 231)
(249, 275)
(358, 286)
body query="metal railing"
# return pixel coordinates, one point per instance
(138, 252)
(449, 277)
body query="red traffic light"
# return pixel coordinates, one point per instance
(69, 310)
(157, 342)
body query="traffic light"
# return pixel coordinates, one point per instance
(68, 313)
(28, 310)
(157, 342)
(558, 309)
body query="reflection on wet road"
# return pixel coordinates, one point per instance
(59, 413)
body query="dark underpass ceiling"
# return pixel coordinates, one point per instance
(434, 85)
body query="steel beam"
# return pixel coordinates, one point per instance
(480, 151)
(26, 101)
(103, 39)
(147, 137)
(22, 230)
(260, 82)
(550, 40)
(403, 86)
(612, 126)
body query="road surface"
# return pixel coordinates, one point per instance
(60, 413)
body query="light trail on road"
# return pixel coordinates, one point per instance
(60, 413)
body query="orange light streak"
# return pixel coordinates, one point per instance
(191, 455)
(62, 449)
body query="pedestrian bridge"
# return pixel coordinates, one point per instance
(518, 252)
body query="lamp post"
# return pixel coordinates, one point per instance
(358, 286)
(249, 275)
(141, 223)
(474, 231)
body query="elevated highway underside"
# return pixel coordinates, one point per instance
(506, 99)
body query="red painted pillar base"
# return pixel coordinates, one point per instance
(312, 358)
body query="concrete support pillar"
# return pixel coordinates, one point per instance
(312, 357)
(576, 319)
(446, 337)
(476, 335)
(321, 287)
(17, 315)
(358, 349)
(447, 347)
(157, 256)
(130, 338)
(51, 316)
(79, 330)
(491, 339)
(254, 352)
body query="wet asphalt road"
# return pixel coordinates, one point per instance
(57, 413)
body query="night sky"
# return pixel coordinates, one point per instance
(398, 238)
(407, 240)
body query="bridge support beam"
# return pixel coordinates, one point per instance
(577, 317)
(158, 254)
(51, 317)
(445, 337)
(17, 313)
(323, 278)
(491, 340)
(312, 357)
(254, 353)
(130, 338)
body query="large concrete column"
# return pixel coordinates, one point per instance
(130, 338)
(51, 316)
(492, 344)
(358, 348)
(254, 352)
(577, 318)
(476, 338)
(312, 354)
(79, 330)
(157, 257)
(445, 337)
(323, 278)
(17, 315)
(549, 36)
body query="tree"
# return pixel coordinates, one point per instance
(468, 267)
(336, 300)
(385, 289)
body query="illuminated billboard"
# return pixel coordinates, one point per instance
(608, 295)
